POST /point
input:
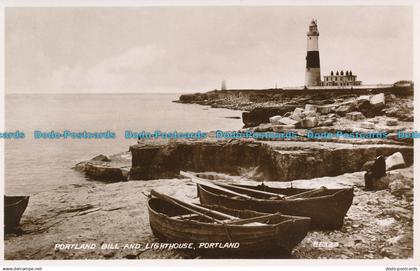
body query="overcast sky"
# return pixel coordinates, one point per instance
(189, 49)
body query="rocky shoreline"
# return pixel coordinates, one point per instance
(378, 225)
(260, 105)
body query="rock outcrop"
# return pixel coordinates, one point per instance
(353, 108)
(263, 114)
(395, 161)
(262, 104)
(247, 99)
(375, 176)
(106, 169)
(269, 161)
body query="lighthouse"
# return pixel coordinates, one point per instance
(313, 72)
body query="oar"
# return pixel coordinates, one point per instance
(307, 194)
(252, 219)
(192, 208)
(220, 186)
(245, 189)
(197, 210)
(197, 180)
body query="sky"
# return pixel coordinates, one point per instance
(192, 49)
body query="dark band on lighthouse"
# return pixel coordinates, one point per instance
(312, 59)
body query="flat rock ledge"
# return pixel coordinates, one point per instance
(114, 168)
(265, 161)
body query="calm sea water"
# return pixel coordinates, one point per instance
(34, 165)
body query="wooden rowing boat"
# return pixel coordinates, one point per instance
(326, 207)
(14, 207)
(269, 235)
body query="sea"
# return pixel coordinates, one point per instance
(36, 165)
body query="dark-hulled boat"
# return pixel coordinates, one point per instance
(326, 207)
(14, 207)
(271, 236)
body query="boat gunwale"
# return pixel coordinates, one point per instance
(20, 200)
(335, 190)
(335, 194)
(289, 219)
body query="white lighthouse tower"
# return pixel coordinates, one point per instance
(313, 72)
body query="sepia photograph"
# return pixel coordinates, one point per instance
(209, 132)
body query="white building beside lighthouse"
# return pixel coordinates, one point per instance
(313, 72)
